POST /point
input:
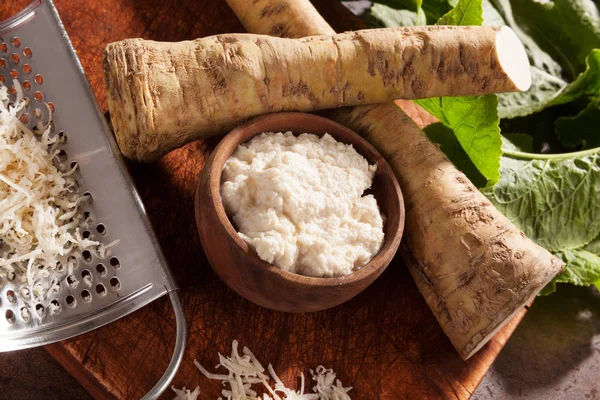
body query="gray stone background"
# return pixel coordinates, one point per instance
(553, 354)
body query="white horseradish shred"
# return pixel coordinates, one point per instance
(39, 207)
(299, 202)
(244, 371)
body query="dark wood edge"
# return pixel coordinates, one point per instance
(74, 367)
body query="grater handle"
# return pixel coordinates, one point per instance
(178, 351)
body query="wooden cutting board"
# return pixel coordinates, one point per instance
(385, 342)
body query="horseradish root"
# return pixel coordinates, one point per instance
(163, 95)
(472, 265)
(474, 268)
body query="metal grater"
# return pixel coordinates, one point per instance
(35, 48)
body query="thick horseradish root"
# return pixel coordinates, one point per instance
(163, 95)
(473, 266)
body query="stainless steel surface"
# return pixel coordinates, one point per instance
(141, 270)
(134, 272)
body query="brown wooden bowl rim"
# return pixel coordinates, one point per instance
(390, 244)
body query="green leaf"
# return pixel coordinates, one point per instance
(517, 142)
(582, 268)
(593, 246)
(586, 84)
(546, 80)
(474, 121)
(545, 89)
(566, 29)
(548, 289)
(412, 5)
(554, 199)
(466, 12)
(383, 16)
(449, 144)
(491, 16)
(582, 129)
(434, 9)
(537, 57)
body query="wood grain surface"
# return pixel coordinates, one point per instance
(384, 342)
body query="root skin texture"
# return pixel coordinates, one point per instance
(163, 95)
(473, 266)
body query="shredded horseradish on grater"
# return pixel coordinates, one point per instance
(245, 370)
(39, 206)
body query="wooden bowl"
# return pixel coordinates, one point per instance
(263, 283)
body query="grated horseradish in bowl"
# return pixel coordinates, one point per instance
(324, 239)
(299, 202)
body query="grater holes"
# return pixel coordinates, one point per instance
(39, 309)
(72, 262)
(38, 79)
(2, 63)
(87, 216)
(89, 197)
(25, 314)
(24, 118)
(62, 136)
(37, 112)
(2, 79)
(12, 90)
(86, 296)
(72, 281)
(87, 277)
(51, 107)
(101, 251)
(87, 256)
(86, 234)
(101, 229)
(62, 155)
(10, 316)
(16, 42)
(26, 85)
(55, 307)
(14, 73)
(3, 47)
(27, 69)
(27, 52)
(115, 283)
(11, 297)
(101, 290)
(101, 269)
(38, 96)
(74, 165)
(71, 301)
(114, 261)
(59, 266)
(25, 293)
(14, 58)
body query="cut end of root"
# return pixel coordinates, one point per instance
(513, 58)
